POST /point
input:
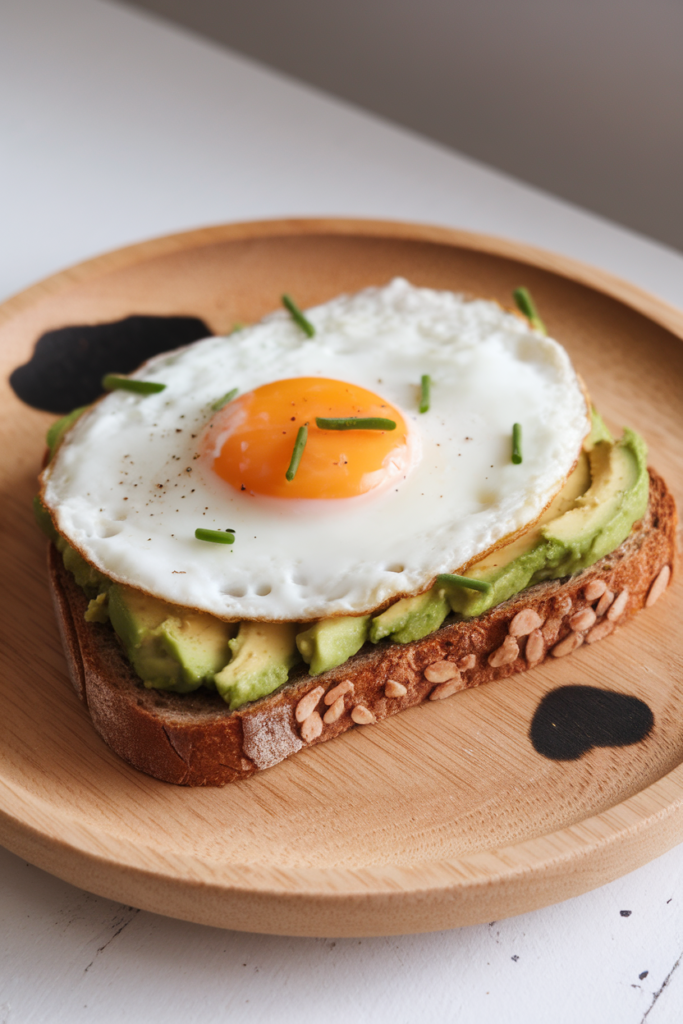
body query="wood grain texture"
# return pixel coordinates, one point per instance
(442, 816)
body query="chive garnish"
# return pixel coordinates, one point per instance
(297, 316)
(299, 445)
(215, 536)
(525, 304)
(449, 579)
(355, 423)
(425, 392)
(111, 382)
(220, 402)
(517, 443)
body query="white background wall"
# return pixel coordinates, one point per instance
(583, 98)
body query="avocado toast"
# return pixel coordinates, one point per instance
(209, 675)
(192, 739)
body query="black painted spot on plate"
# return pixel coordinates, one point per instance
(570, 720)
(67, 365)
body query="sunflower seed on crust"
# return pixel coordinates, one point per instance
(466, 663)
(441, 671)
(394, 689)
(346, 686)
(534, 647)
(335, 711)
(525, 622)
(619, 606)
(563, 604)
(600, 631)
(312, 727)
(566, 646)
(444, 690)
(594, 590)
(307, 704)
(550, 630)
(362, 715)
(604, 603)
(659, 586)
(582, 620)
(505, 654)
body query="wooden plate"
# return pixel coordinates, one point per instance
(442, 816)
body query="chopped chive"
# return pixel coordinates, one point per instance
(111, 382)
(355, 423)
(215, 536)
(517, 443)
(299, 445)
(425, 392)
(449, 579)
(297, 316)
(525, 304)
(220, 402)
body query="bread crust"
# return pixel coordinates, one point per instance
(194, 740)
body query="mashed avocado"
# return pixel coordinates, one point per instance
(170, 648)
(412, 618)
(262, 655)
(331, 642)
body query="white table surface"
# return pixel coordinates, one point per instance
(116, 128)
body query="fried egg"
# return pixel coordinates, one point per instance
(370, 515)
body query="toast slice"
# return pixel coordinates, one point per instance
(194, 740)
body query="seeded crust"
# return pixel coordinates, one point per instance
(194, 740)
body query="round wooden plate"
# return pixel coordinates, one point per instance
(442, 816)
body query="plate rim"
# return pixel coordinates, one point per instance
(652, 306)
(471, 888)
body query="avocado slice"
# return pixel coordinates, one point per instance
(170, 648)
(59, 428)
(599, 431)
(411, 618)
(262, 655)
(604, 515)
(564, 542)
(331, 642)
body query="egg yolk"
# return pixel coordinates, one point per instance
(251, 440)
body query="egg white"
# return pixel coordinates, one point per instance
(128, 488)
